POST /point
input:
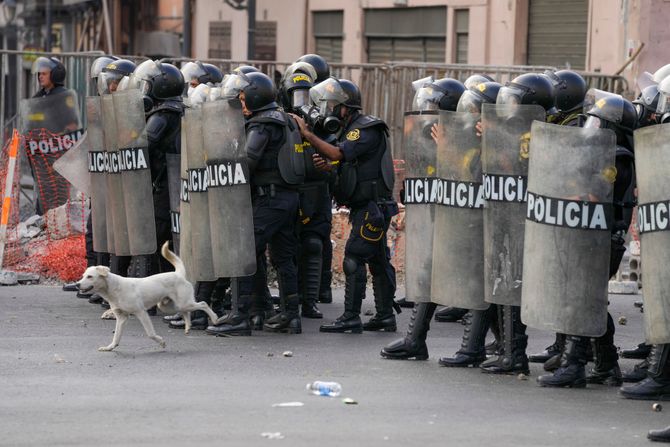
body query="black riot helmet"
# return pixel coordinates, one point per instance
(159, 80)
(245, 69)
(483, 93)
(442, 94)
(113, 73)
(646, 106)
(353, 94)
(295, 84)
(569, 88)
(329, 96)
(100, 63)
(320, 66)
(529, 88)
(611, 111)
(476, 79)
(201, 73)
(259, 92)
(53, 65)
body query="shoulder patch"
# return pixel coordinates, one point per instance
(354, 135)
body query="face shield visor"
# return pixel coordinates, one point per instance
(327, 95)
(661, 74)
(427, 98)
(144, 73)
(300, 67)
(192, 72)
(299, 98)
(43, 64)
(593, 122)
(423, 82)
(469, 102)
(98, 65)
(510, 94)
(663, 106)
(233, 86)
(108, 82)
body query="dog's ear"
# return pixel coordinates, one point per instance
(102, 270)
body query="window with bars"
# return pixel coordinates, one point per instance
(328, 34)
(219, 40)
(407, 34)
(461, 26)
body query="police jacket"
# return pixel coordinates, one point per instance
(41, 93)
(366, 171)
(267, 136)
(163, 136)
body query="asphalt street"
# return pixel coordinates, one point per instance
(57, 389)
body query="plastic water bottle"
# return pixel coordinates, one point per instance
(318, 388)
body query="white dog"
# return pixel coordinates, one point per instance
(171, 292)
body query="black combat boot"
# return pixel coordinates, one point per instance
(556, 348)
(384, 318)
(573, 360)
(413, 345)
(261, 309)
(288, 320)
(141, 266)
(513, 359)
(639, 352)
(473, 351)
(310, 273)
(638, 373)
(662, 435)
(237, 322)
(657, 384)
(450, 314)
(606, 370)
(199, 319)
(354, 292)
(326, 295)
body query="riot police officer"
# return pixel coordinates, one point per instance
(51, 74)
(443, 94)
(272, 136)
(526, 89)
(570, 88)
(315, 203)
(365, 184)
(162, 85)
(618, 114)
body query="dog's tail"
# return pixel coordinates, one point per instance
(173, 259)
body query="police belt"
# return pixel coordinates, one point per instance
(270, 190)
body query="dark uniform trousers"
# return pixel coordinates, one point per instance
(275, 211)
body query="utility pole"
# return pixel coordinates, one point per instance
(47, 43)
(251, 23)
(186, 50)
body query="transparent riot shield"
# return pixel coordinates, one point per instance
(230, 212)
(458, 238)
(652, 157)
(174, 185)
(185, 252)
(202, 266)
(420, 197)
(73, 165)
(568, 229)
(135, 172)
(505, 151)
(116, 206)
(98, 173)
(51, 126)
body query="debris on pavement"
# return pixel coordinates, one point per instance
(289, 404)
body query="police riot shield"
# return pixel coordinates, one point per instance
(652, 155)
(98, 173)
(420, 202)
(230, 213)
(116, 210)
(458, 237)
(51, 125)
(174, 184)
(73, 165)
(135, 173)
(185, 205)
(202, 266)
(505, 151)
(568, 229)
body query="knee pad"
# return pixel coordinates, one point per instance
(350, 265)
(312, 245)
